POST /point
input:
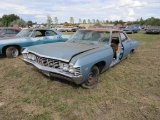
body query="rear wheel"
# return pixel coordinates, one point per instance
(92, 79)
(12, 52)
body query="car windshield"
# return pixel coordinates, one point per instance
(89, 36)
(24, 33)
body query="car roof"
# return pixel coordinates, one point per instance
(102, 29)
(37, 29)
(13, 28)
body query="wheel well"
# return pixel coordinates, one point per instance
(5, 47)
(132, 50)
(100, 65)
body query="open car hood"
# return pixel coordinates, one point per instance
(62, 50)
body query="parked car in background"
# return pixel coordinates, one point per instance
(121, 28)
(83, 57)
(12, 47)
(8, 32)
(131, 29)
(67, 29)
(112, 27)
(153, 30)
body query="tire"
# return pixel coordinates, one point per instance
(12, 52)
(92, 79)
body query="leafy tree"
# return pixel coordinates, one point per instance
(55, 20)
(7, 19)
(107, 21)
(94, 21)
(19, 22)
(29, 23)
(141, 22)
(49, 21)
(80, 21)
(97, 21)
(71, 20)
(89, 21)
(84, 21)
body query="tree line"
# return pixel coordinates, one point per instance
(12, 19)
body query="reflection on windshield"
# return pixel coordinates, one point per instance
(24, 33)
(89, 36)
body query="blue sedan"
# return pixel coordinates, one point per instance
(12, 47)
(131, 29)
(83, 57)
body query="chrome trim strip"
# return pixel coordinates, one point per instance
(48, 56)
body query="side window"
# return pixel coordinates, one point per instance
(50, 33)
(16, 31)
(88, 36)
(123, 37)
(4, 31)
(38, 34)
(115, 38)
(9, 31)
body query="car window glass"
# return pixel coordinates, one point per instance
(50, 33)
(88, 36)
(9, 31)
(24, 33)
(38, 34)
(3, 31)
(115, 37)
(104, 36)
(94, 37)
(115, 34)
(123, 37)
(16, 31)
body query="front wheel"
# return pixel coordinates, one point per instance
(12, 52)
(92, 79)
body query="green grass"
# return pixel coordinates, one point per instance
(128, 91)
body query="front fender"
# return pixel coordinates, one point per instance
(93, 57)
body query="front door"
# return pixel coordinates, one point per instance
(126, 44)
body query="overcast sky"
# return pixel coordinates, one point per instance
(37, 10)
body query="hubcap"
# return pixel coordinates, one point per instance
(14, 52)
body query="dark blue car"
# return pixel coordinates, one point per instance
(131, 29)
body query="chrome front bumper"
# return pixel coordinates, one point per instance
(55, 72)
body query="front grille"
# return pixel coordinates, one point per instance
(52, 63)
(47, 62)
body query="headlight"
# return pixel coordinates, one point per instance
(66, 67)
(24, 55)
(72, 70)
(31, 57)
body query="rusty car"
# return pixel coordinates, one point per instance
(82, 58)
(8, 31)
(153, 30)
